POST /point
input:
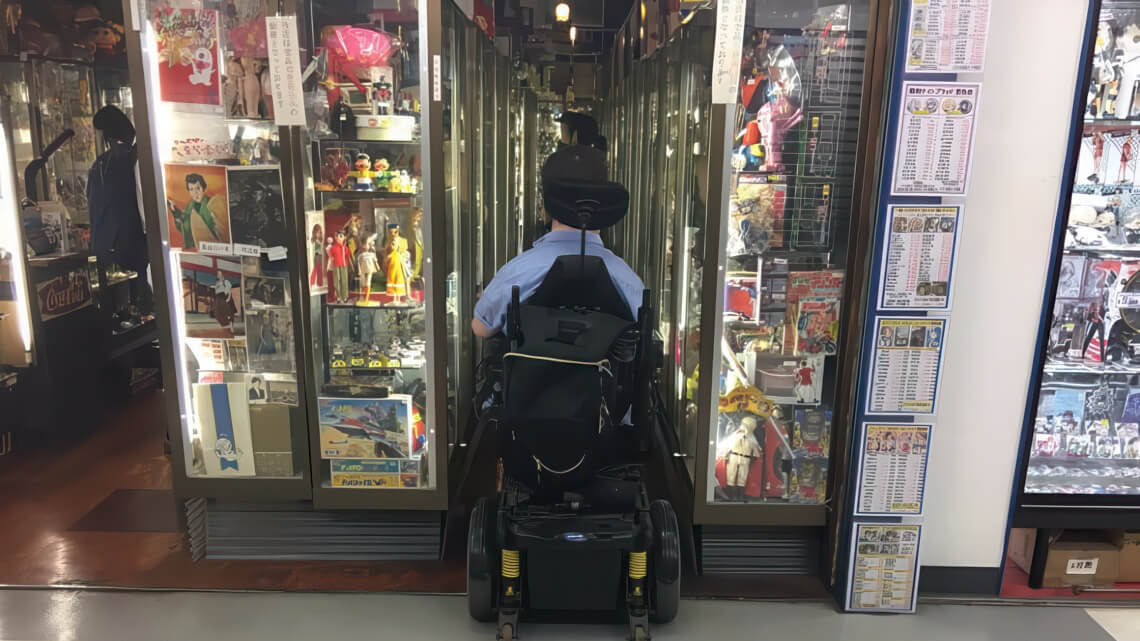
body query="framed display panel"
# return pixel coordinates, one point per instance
(1080, 452)
(226, 268)
(773, 314)
(374, 185)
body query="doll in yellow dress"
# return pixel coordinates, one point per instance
(397, 259)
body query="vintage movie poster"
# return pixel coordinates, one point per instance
(188, 62)
(257, 211)
(823, 284)
(315, 233)
(223, 417)
(892, 469)
(935, 139)
(884, 568)
(817, 326)
(212, 296)
(269, 334)
(258, 395)
(921, 243)
(264, 291)
(906, 365)
(366, 427)
(197, 208)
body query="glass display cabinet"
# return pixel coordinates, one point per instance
(376, 304)
(227, 271)
(781, 197)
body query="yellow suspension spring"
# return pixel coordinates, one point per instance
(637, 565)
(510, 564)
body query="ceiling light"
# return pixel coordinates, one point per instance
(573, 34)
(562, 12)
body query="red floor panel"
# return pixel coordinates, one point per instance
(1015, 585)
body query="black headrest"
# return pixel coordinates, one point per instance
(575, 190)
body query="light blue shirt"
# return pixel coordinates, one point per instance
(528, 269)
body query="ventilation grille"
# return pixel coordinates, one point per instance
(290, 533)
(730, 550)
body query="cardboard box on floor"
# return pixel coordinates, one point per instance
(1129, 544)
(1082, 558)
(1087, 558)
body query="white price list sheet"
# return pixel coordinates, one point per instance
(892, 469)
(884, 568)
(935, 138)
(947, 36)
(906, 365)
(920, 257)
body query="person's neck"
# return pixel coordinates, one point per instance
(557, 226)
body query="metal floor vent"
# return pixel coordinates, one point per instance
(291, 532)
(736, 550)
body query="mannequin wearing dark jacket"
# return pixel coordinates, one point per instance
(117, 235)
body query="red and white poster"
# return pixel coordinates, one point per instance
(63, 294)
(187, 42)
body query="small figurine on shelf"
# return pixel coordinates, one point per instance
(745, 451)
(362, 173)
(381, 99)
(394, 182)
(380, 169)
(317, 276)
(334, 171)
(339, 257)
(397, 257)
(366, 266)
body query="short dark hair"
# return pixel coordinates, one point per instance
(114, 124)
(195, 178)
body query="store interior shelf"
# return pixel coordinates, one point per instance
(56, 264)
(340, 142)
(374, 195)
(1090, 368)
(128, 341)
(1129, 250)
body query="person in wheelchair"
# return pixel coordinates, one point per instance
(571, 527)
(528, 269)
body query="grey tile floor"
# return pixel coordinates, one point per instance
(58, 615)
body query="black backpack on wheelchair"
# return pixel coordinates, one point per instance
(571, 527)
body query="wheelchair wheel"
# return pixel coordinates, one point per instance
(482, 558)
(666, 563)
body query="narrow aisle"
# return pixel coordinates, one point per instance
(100, 616)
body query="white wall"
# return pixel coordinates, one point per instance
(1019, 156)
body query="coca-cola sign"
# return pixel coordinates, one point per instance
(63, 294)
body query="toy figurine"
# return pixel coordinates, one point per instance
(339, 257)
(417, 280)
(380, 169)
(251, 86)
(745, 450)
(335, 170)
(366, 266)
(317, 276)
(397, 256)
(362, 173)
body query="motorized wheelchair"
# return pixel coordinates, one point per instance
(571, 527)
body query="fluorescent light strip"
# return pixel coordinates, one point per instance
(10, 222)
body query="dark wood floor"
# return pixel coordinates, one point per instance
(100, 512)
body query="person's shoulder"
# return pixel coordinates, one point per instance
(615, 263)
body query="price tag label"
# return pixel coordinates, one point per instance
(247, 250)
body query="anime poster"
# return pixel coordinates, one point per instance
(366, 427)
(197, 208)
(264, 291)
(257, 212)
(817, 326)
(270, 340)
(315, 233)
(188, 60)
(211, 296)
(742, 295)
(223, 418)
